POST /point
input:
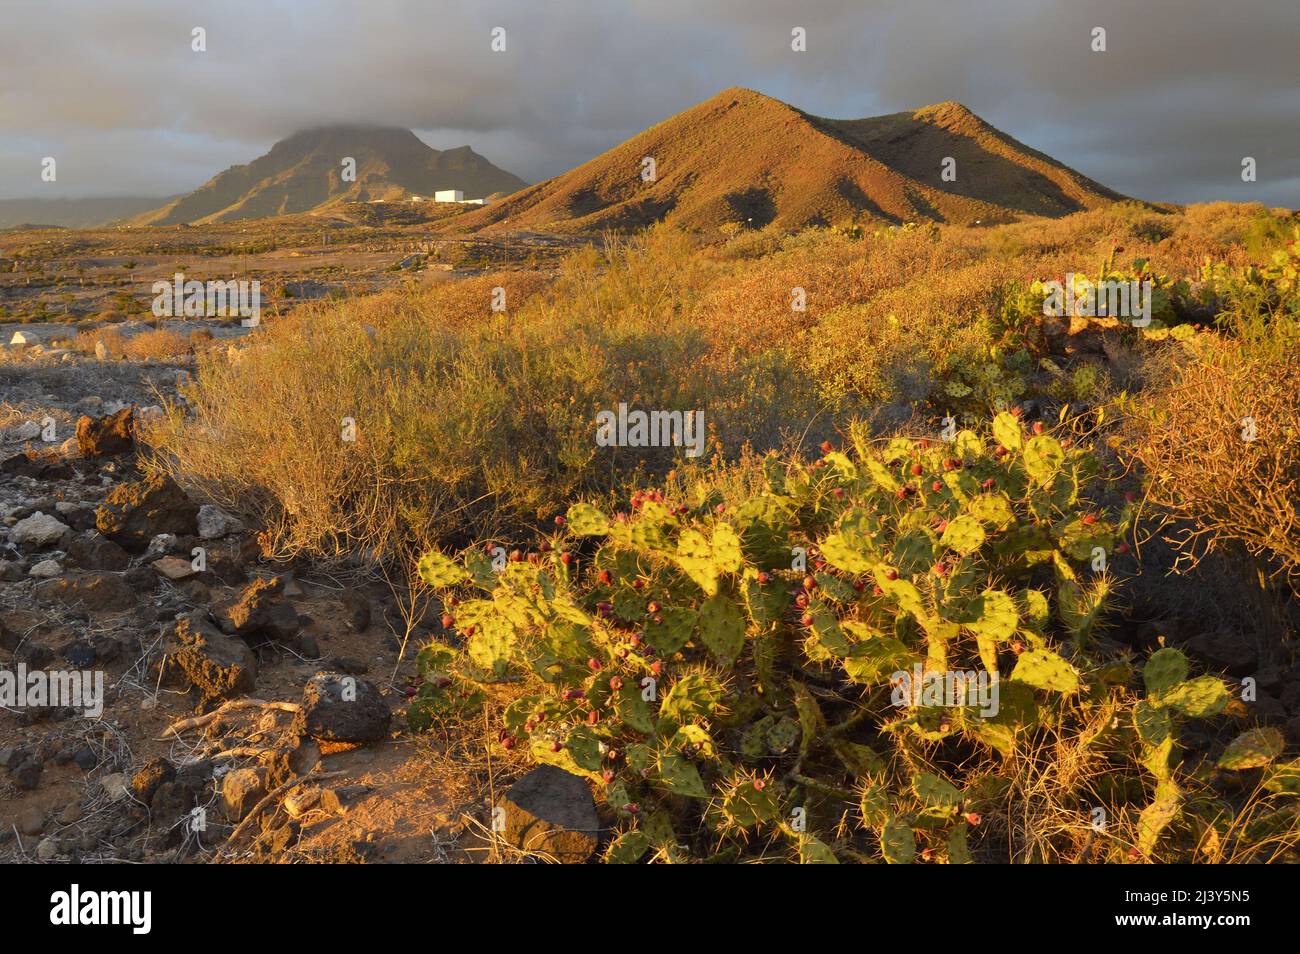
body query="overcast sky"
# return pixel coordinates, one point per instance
(1185, 89)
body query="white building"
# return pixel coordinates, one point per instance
(449, 195)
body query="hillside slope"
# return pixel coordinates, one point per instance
(304, 173)
(745, 157)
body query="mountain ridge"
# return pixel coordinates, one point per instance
(747, 158)
(304, 173)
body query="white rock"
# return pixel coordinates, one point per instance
(39, 530)
(48, 849)
(46, 569)
(215, 523)
(160, 544)
(115, 785)
(26, 431)
(27, 336)
(301, 801)
(174, 568)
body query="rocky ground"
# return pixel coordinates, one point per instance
(294, 748)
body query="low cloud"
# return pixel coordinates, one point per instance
(1185, 89)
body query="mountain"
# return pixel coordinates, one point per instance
(742, 156)
(73, 213)
(304, 173)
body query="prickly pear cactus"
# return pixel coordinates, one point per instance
(776, 673)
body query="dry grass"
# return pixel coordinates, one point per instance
(158, 343)
(472, 422)
(468, 423)
(113, 340)
(1221, 448)
(1057, 781)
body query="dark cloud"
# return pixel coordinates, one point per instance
(1185, 89)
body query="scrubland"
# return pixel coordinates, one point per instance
(889, 404)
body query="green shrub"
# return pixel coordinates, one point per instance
(460, 429)
(729, 702)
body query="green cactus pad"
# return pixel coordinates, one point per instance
(897, 843)
(694, 695)
(1284, 779)
(935, 792)
(694, 740)
(874, 807)
(1037, 611)
(765, 603)
(586, 521)
(1044, 669)
(782, 735)
(958, 847)
(1154, 725)
(1165, 669)
(492, 647)
(968, 445)
(440, 571)
(901, 591)
(628, 848)
(1081, 540)
(1157, 816)
(680, 777)
(584, 748)
(914, 551)
(744, 806)
(1007, 431)
(841, 465)
(1043, 458)
(675, 630)
(881, 475)
(993, 614)
(963, 534)
(753, 741)
(849, 552)
(722, 628)
(1081, 607)
(727, 555)
(1254, 748)
(861, 760)
(992, 509)
(634, 710)
(813, 851)
(1199, 698)
(695, 557)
